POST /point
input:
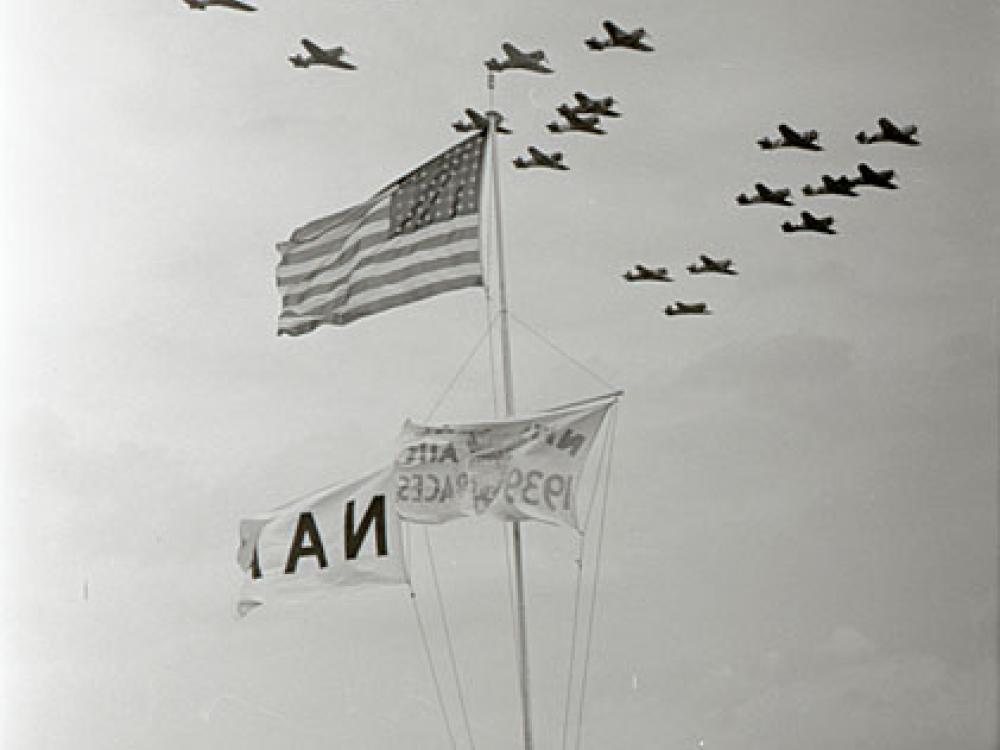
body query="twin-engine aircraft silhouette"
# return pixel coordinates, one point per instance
(478, 121)
(587, 106)
(232, 4)
(687, 308)
(872, 178)
(585, 123)
(540, 159)
(810, 224)
(843, 185)
(319, 56)
(890, 132)
(710, 265)
(618, 37)
(791, 138)
(765, 195)
(641, 273)
(516, 59)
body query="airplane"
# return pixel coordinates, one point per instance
(890, 132)
(588, 106)
(618, 37)
(585, 124)
(319, 56)
(766, 195)
(540, 159)
(641, 273)
(710, 265)
(792, 139)
(687, 308)
(872, 178)
(516, 59)
(810, 224)
(478, 122)
(233, 4)
(843, 185)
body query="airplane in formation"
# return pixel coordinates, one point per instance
(711, 265)
(890, 132)
(541, 159)
(810, 224)
(232, 4)
(791, 138)
(334, 57)
(584, 124)
(478, 121)
(516, 59)
(875, 178)
(601, 106)
(843, 185)
(765, 195)
(642, 273)
(687, 308)
(618, 37)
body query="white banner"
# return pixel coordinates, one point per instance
(345, 536)
(525, 468)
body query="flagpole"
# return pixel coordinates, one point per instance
(508, 393)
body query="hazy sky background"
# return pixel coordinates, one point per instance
(801, 546)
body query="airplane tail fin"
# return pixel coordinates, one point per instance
(808, 190)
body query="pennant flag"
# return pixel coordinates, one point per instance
(345, 536)
(525, 468)
(414, 239)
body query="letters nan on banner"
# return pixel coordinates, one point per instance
(526, 468)
(345, 536)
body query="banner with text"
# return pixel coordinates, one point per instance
(345, 536)
(518, 469)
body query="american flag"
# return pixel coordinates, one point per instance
(412, 240)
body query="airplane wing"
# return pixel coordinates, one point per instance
(538, 55)
(762, 190)
(889, 130)
(582, 98)
(706, 260)
(641, 45)
(788, 133)
(312, 48)
(236, 5)
(536, 154)
(866, 172)
(510, 50)
(477, 119)
(614, 31)
(641, 268)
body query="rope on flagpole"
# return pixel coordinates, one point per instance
(578, 596)
(448, 638)
(612, 428)
(462, 367)
(559, 350)
(430, 663)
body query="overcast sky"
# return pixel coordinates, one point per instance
(801, 544)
